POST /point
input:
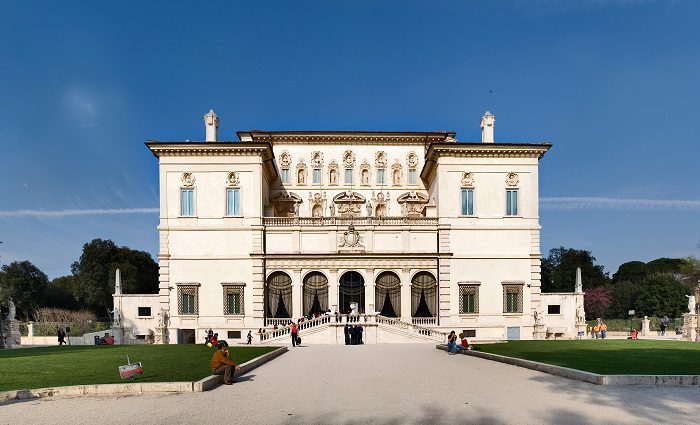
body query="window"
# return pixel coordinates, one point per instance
(348, 176)
(284, 176)
(467, 201)
(468, 299)
(511, 202)
(233, 299)
(411, 176)
(469, 333)
(187, 202)
(512, 298)
(380, 176)
(317, 176)
(233, 202)
(234, 334)
(187, 299)
(554, 309)
(144, 311)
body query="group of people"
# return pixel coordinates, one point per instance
(600, 330)
(353, 334)
(453, 347)
(211, 339)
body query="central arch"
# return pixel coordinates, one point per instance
(352, 290)
(315, 293)
(387, 295)
(423, 295)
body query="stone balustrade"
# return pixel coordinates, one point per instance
(346, 221)
(424, 321)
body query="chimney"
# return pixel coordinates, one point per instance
(211, 123)
(487, 122)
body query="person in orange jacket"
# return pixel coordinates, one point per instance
(221, 363)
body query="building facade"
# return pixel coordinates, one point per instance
(410, 230)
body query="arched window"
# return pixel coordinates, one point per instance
(352, 290)
(387, 294)
(278, 296)
(315, 293)
(423, 295)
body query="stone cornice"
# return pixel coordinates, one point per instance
(480, 150)
(261, 149)
(345, 137)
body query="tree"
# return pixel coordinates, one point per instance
(25, 284)
(622, 298)
(59, 293)
(690, 270)
(632, 271)
(559, 270)
(662, 295)
(596, 302)
(94, 274)
(665, 265)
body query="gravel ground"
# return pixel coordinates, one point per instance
(378, 384)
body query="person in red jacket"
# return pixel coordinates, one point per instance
(294, 334)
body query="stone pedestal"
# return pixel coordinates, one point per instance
(161, 336)
(118, 334)
(581, 331)
(540, 332)
(645, 326)
(690, 327)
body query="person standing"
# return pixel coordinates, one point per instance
(596, 331)
(221, 363)
(250, 337)
(61, 336)
(346, 330)
(603, 330)
(360, 329)
(294, 334)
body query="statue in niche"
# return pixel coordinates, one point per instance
(538, 317)
(369, 209)
(332, 208)
(365, 177)
(580, 315)
(334, 177)
(300, 178)
(397, 178)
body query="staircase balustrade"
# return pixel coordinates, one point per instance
(423, 321)
(410, 327)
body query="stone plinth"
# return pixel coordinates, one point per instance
(161, 336)
(645, 326)
(540, 332)
(690, 327)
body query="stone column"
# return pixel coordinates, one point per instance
(645, 326)
(333, 289)
(406, 295)
(297, 295)
(30, 333)
(369, 291)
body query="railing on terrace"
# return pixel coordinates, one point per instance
(423, 321)
(346, 221)
(410, 327)
(306, 324)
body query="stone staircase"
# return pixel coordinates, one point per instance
(377, 329)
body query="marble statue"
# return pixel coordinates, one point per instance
(332, 208)
(116, 319)
(691, 303)
(11, 310)
(580, 315)
(369, 209)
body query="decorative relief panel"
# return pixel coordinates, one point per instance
(412, 203)
(233, 179)
(317, 203)
(316, 159)
(286, 204)
(412, 160)
(285, 159)
(380, 160)
(467, 179)
(188, 179)
(380, 205)
(512, 179)
(349, 159)
(350, 240)
(348, 203)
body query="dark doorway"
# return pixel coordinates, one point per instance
(352, 290)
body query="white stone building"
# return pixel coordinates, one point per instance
(426, 234)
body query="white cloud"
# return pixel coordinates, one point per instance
(76, 212)
(81, 107)
(586, 203)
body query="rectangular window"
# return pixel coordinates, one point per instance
(187, 202)
(467, 201)
(512, 298)
(411, 176)
(144, 311)
(317, 176)
(554, 309)
(284, 176)
(469, 333)
(187, 297)
(511, 202)
(348, 176)
(380, 176)
(468, 299)
(233, 299)
(234, 334)
(233, 202)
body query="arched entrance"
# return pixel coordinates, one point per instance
(352, 290)
(423, 295)
(278, 296)
(315, 293)
(387, 294)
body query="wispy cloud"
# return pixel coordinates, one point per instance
(587, 203)
(81, 107)
(76, 212)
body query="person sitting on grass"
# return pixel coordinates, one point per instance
(221, 363)
(214, 340)
(633, 334)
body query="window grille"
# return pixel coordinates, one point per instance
(233, 299)
(468, 299)
(512, 298)
(187, 299)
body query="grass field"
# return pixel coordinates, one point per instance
(608, 357)
(28, 368)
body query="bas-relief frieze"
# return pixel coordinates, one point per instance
(351, 263)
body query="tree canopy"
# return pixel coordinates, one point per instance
(662, 295)
(25, 284)
(559, 270)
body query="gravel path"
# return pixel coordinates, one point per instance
(378, 384)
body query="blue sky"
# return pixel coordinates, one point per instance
(614, 85)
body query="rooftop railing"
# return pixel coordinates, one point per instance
(346, 221)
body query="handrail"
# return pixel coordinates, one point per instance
(346, 221)
(421, 330)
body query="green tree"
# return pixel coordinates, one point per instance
(559, 270)
(662, 295)
(622, 299)
(665, 265)
(25, 284)
(690, 270)
(59, 293)
(95, 274)
(632, 271)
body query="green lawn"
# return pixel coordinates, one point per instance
(28, 368)
(608, 357)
